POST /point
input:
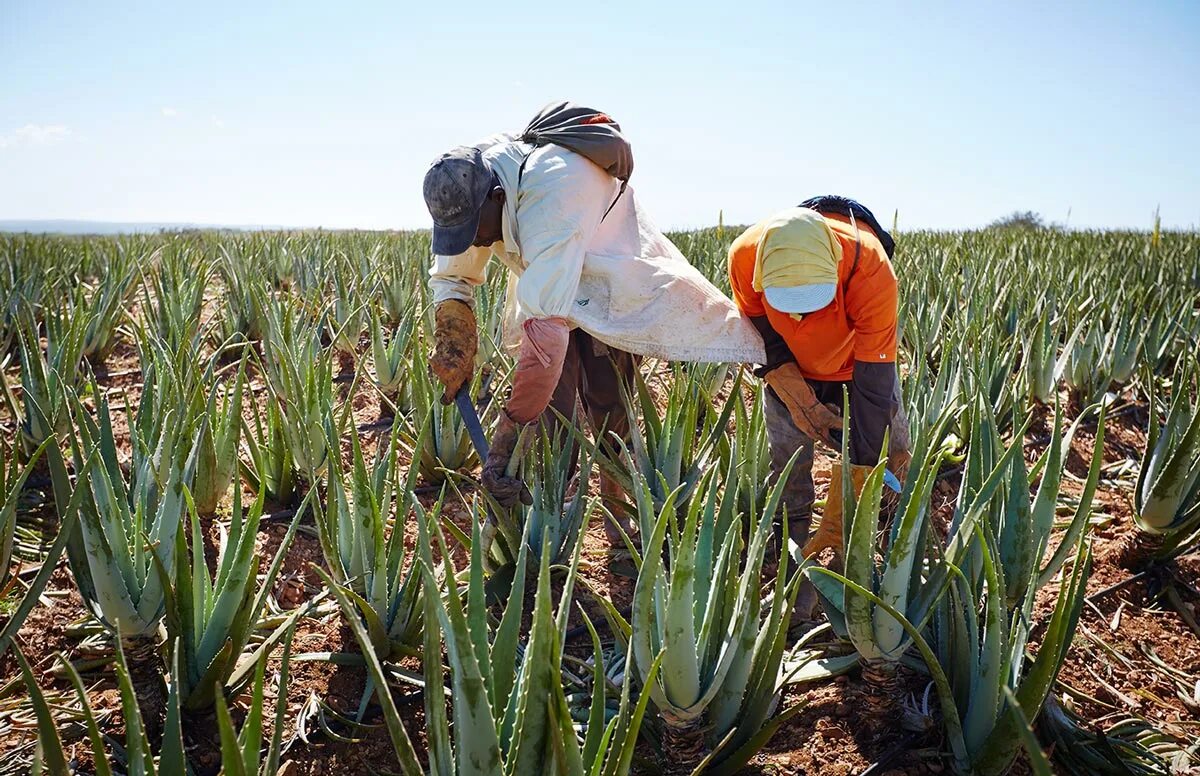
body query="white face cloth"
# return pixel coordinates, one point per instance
(617, 277)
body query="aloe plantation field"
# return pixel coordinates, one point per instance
(241, 534)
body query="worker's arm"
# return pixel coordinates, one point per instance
(452, 280)
(456, 277)
(873, 404)
(777, 350)
(871, 304)
(557, 216)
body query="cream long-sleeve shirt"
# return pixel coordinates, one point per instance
(617, 277)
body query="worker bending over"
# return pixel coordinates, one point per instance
(818, 284)
(593, 286)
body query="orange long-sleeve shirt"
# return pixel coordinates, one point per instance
(860, 323)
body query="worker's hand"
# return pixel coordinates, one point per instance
(507, 491)
(898, 462)
(814, 419)
(453, 359)
(498, 474)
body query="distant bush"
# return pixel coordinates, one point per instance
(1021, 220)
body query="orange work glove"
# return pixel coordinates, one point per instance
(812, 417)
(454, 340)
(829, 530)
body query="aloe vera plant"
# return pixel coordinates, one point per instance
(242, 751)
(299, 373)
(220, 429)
(904, 580)
(347, 314)
(996, 485)
(1167, 494)
(173, 294)
(1124, 348)
(438, 435)
(678, 444)
(211, 619)
(977, 651)
(748, 458)
(48, 375)
(1086, 362)
(718, 687)
(913, 580)
(512, 716)
(1043, 366)
(22, 286)
(136, 756)
(129, 525)
(267, 467)
(104, 304)
(491, 311)
(391, 361)
(370, 561)
(399, 291)
(244, 316)
(510, 713)
(1025, 523)
(557, 514)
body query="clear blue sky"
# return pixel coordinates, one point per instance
(327, 113)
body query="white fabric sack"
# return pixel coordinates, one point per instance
(616, 277)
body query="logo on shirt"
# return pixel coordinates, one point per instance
(582, 302)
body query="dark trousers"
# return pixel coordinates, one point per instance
(592, 376)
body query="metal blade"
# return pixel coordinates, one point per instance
(470, 417)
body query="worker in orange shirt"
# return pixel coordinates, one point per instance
(818, 284)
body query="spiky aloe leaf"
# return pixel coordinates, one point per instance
(53, 756)
(68, 526)
(620, 738)
(400, 740)
(441, 755)
(478, 751)
(1000, 747)
(681, 675)
(218, 442)
(232, 760)
(1038, 761)
(1170, 467)
(951, 721)
(595, 724)
(95, 738)
(543, 738)
(860, 564)
(988, 674)
(1083, 510)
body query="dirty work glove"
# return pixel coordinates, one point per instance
(454, 341)
(506, 489)
(814, 419)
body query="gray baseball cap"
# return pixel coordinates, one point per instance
(456, 187)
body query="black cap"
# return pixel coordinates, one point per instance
(456, 187)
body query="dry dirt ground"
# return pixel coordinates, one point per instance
(1111, 669)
